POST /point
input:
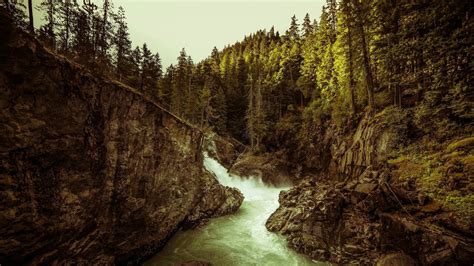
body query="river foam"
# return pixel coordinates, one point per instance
(237, 239)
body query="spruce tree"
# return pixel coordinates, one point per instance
(122, 46)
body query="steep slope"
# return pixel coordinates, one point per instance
(90, 171)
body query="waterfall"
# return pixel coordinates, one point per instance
(253, 188)
(236, 239)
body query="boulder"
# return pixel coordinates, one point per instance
(431, 246)
(216, 200)
(269, 168)
(396, 259)
(318, 225)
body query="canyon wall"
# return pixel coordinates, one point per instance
(91, 171)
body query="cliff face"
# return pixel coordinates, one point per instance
(90, 171)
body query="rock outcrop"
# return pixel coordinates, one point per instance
(225, 150)
(370, 145)
(267, 167)
(90, 171)
(362, 225)
(357, 212)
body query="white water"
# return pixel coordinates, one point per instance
(237, 239)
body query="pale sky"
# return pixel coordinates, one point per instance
(199, 25)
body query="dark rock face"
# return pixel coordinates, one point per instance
(225, 150)
(325, 222)
(218, 201)
(319, 224)
(358, 214)
(431, 246)
(375, 138)
(396, 259)
(268, 167)
(90, 171)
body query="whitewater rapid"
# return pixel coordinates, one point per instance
(237, 239)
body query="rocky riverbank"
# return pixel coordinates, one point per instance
(91, 172)
(362, 209)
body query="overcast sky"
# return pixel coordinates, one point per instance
(199, 25)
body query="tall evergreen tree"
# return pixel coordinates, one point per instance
(135, 69)
(307, 26)
(293, 33)
(122, 45)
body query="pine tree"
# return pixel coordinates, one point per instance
(180, 84)
(135, 69)
(166, 87)
(15, 10)
(65, 17)
(105, 29)
(146, 67)
(81, 42)
(47, 33)
(122, 45)
(346, 37)
(30, 15)
(325, 70)
(307, 26)
(369, 79)
(293, 33)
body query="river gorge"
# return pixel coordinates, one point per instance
(95, 171)
(236, 239)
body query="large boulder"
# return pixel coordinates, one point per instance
(431, 245)
(217, 200)
(268, 167)
(395, 259)
(317, 224)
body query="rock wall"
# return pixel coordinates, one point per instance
(90, 171)
(370, 145)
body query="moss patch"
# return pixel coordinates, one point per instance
(444, 172)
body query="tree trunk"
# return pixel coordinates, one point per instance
(30, 13)
(365, 52)
(66, 42)
(104, 30)
(351, 71)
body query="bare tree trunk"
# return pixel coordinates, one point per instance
(67, 26)
(104, 28)
(251, 117)
(30, 13)
(365, 52)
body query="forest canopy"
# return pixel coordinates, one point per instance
(277, 90)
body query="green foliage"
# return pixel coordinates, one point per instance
(324, 74)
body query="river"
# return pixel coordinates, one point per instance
(237, 239)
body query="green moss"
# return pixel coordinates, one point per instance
(433, 169)
(463, 205)
(398, 160)
(468, 160)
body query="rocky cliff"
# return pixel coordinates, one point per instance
(362, 210)
(90, 171)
